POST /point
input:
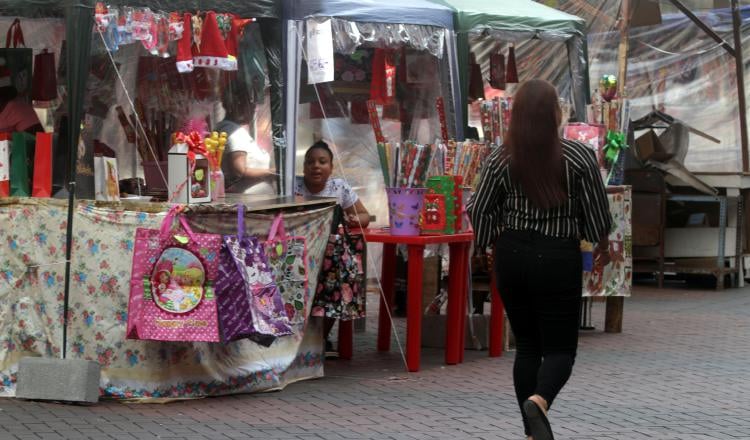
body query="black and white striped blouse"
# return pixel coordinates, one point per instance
(499, 204)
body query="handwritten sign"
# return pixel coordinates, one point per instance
(320, 66)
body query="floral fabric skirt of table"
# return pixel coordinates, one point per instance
(32, 269)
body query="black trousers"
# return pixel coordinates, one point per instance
(540, 280)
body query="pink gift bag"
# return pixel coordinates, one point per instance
(172, 284)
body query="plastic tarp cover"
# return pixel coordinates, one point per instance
(335, 112)
(349, 35)
(515, 20)
(419, 12)
(255, 8)
(673, 67)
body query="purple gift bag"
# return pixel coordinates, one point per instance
(251, 305)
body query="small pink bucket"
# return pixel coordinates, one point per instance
(404, 207)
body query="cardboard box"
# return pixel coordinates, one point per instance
(649, 147)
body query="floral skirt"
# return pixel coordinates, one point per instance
(341, 289)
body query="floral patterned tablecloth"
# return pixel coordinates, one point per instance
(615, 279)
(32, 269)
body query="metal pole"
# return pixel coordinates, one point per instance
(710, 32)
(740, 67)
(622, 52)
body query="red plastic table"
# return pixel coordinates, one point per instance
(459, 245)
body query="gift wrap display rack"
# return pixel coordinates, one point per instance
(426, 206)
(609, 116)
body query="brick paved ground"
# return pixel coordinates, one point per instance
(680, 370)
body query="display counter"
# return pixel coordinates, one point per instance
(32, 270)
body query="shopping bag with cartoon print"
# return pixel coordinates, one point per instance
(340, 292)
(172, 283)
(287, 256)
(268, 318)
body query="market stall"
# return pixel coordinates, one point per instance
(488, 31)
(67, 287)
(683, 84)
(397, 54)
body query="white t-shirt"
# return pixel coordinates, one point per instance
(337, 188)
(239, 140)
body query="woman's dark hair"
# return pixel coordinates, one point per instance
(320, 145)
(534, 146)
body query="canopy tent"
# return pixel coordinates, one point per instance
(420, 24)
(521, 20)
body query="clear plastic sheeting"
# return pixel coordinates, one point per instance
(156, 100)
(334, 113)
(673, 67)
(349, 35)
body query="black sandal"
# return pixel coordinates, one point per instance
(538, 423)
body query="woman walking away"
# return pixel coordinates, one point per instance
(537, 198)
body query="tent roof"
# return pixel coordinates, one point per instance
(420, 12)
(513, 15)
(53, 8)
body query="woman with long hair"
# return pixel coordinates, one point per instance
(539, 195)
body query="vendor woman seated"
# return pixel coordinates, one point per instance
(246, 166)
(317, 182)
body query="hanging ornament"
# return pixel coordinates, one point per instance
(497, 71)
(608, 87)
(476, 83)
(225, 24)
(176, 27)
(197, 31)
(511, 76)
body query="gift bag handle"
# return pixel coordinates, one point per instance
(166, 225)
(15, 35)
(240, 221)
(277, 228)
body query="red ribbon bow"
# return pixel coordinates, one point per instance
(195, 144)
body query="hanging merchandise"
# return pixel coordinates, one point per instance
(106, 23)
(359, 113)
(476, 84)
(141, 25)
(184, 46)
(287, 256)
(16, 62)
(125, 25)
(211, 51)
(172, 283)
(44, 80)
(234, 35)
(268, 318)
(41, 185)
(511, 76)
(383, 85)
(341, 286)
(162, 35)
(4, 164)
(497, 71)
(176, 26)
(21, 164)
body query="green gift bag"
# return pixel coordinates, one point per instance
(21, 164)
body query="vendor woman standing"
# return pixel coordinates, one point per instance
(246, 166)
